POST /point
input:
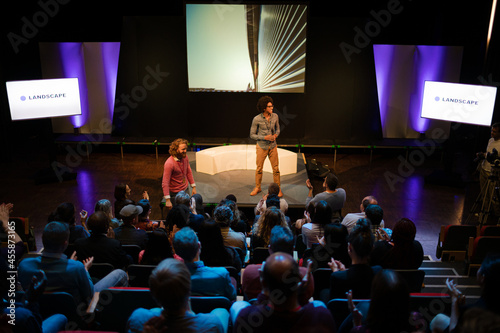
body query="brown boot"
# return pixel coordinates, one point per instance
(255, 191)
(280, 195)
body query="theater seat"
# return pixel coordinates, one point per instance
(453, 241)
(479, 248)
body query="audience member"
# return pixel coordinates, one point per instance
(350, 219)
(282, 283)
(281, 241)
(375, 214)
(177, 219)
(208, 281)
(261, 232)
(223, 215)
(143, 221)
(332, 245)
(196, 219)
(215, 253)
(488, 276)
(358, 277)
(334, 196)
(64, 274)
(157, 249)
(261, 205)
(122, 198)
(388, 309)
(104, 205)
(170, 285)
(128, 234)
(99, 246)
(403, 252)
(24, 316)
(65, 212)
(239, 223)
(314, 230)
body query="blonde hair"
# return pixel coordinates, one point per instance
(272, 217)
(174, 146)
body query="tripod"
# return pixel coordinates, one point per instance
(489, 194)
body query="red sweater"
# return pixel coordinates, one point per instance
(176, 175)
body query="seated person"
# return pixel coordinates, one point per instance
(99, 246)
(358, 277)
(223, 215)
(272, 200)
(157, 249)
(25, 316)
(64, 274)
(170, 285)
(261, 205)
(402, 252)
(375, 214)
(282, 312)
(261, 233)
(127, 233)
(314, 230)
(333, 195)
(104, 205)
(207, 281)
(281, 241)
(350, 219)
(388, 309)
(65, 212)
(143, 221)
(215, 253)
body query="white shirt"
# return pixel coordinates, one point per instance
(489, 149)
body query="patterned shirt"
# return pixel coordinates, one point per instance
(262, 127)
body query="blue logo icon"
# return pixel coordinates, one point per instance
(436, 99)
(23, 98)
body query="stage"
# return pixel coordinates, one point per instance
(213, 188)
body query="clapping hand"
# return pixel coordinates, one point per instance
(357, 316)
(336, 265)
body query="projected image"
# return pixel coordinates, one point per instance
(462, 103)
(246, 48)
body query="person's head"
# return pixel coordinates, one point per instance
(368, 200)
(273, 189)
(265, 104)
(177, 217)
(271, 217)
(98, 223)
(495, 131)
(186, 244)
(331, 182)
(361, 239)
(104, 205)
(211, 241)
(55, 237)
(223, 215)
(146, 208)
(198, 202)
(273, 201)
(182, 198)
(281, 240)
(404, 232)
(122, 191)
(228, 202)
(280, 276)
(488, 276)
(130, 214)
(157, 248)
(231, 197)
(65, 212)
(375, 214)
(178, 148)
(170, 284)
(322, 213)
(389, 303)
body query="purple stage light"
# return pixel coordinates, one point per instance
(74, 67)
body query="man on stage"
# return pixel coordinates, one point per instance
(176, 172)
(265, 129)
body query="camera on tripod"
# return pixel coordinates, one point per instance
(493, 158)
